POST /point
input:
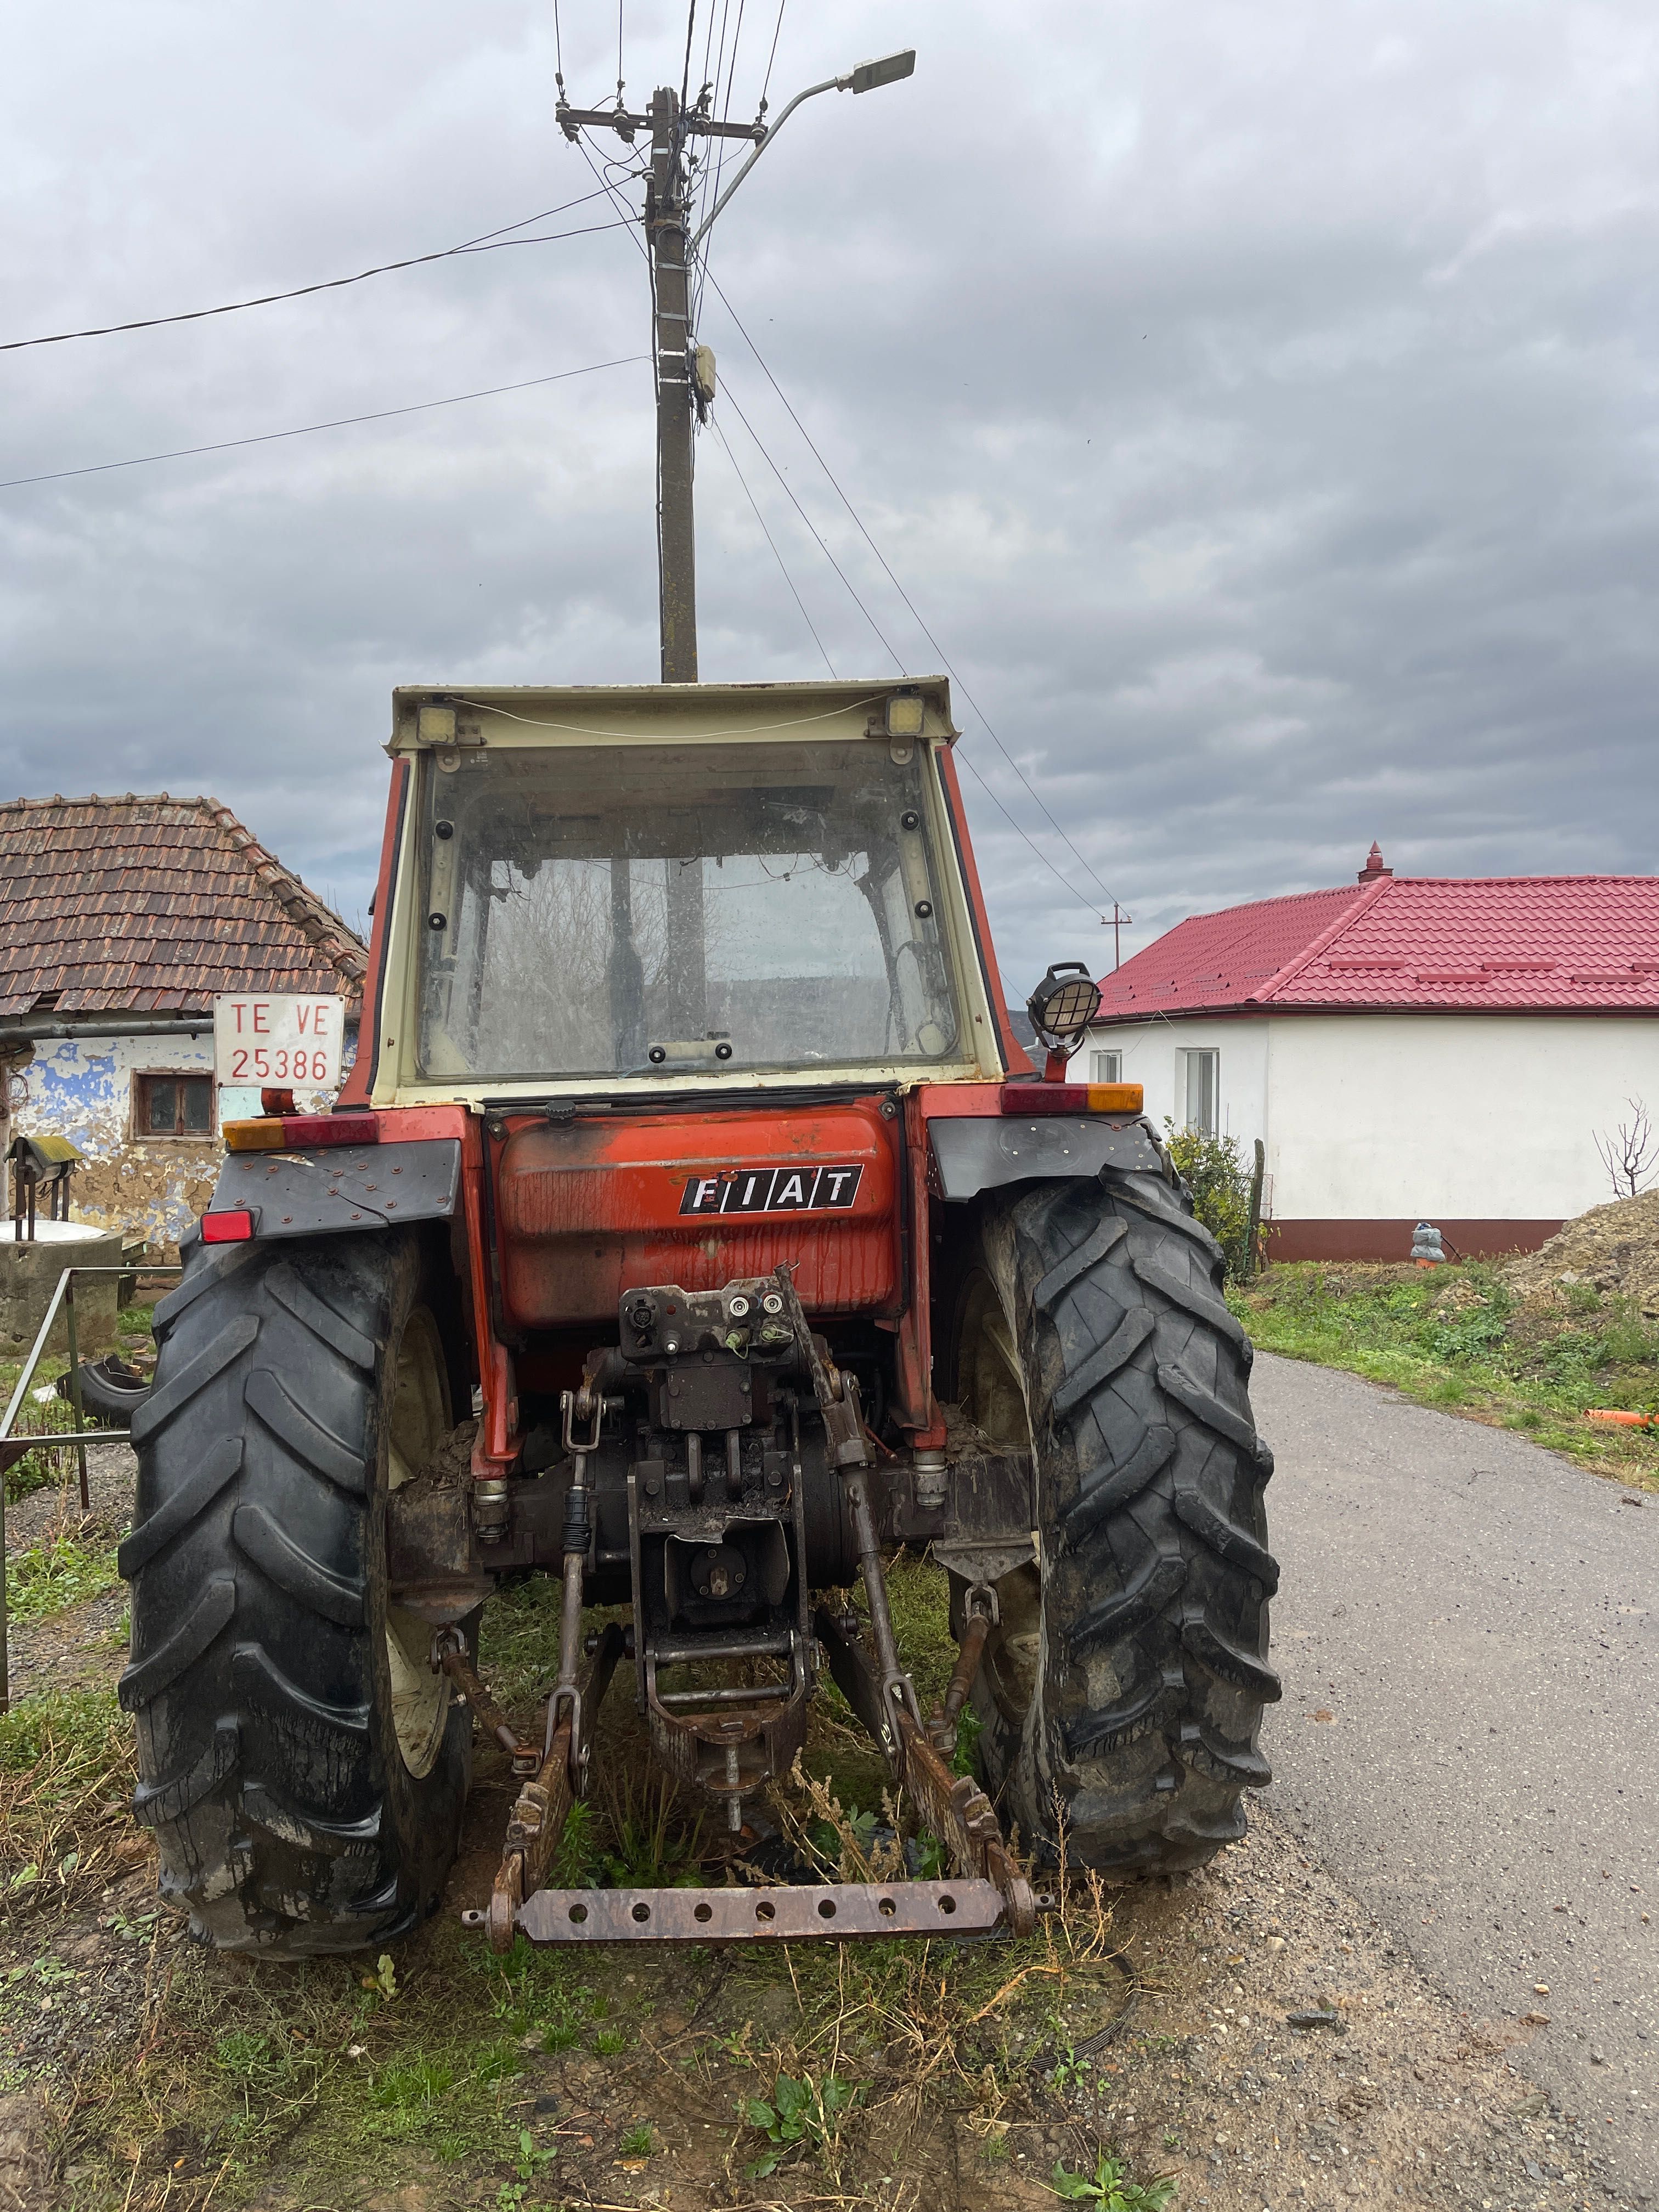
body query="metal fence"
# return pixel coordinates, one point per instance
(74, 1438)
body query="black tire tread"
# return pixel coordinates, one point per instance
(284, 1817)
(1153, 1634)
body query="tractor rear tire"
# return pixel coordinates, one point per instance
(303, 1769)
(1121, 1694)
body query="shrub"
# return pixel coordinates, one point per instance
(1215, 1173)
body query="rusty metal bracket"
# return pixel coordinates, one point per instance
(981, 1619)
(449, 1656)
(953, 1805)
(539, 1815)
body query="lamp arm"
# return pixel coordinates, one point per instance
(830, 84)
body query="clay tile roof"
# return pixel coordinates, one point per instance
(1494, 943)
(154, 905)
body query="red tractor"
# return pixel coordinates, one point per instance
(692, 1226)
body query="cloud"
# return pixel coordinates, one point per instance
(1257, 405)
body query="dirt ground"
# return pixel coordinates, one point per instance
(1614, 1247)
(1248, 2031)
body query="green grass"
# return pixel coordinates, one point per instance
(1456, 1337)
(44, 1579)
(65, 1759)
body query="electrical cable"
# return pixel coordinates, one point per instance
(685, 74)
(305, 430)
(789, 494)
(773, 56)
(489, 241)
(973, 703)
(772, 542)
(712, 191)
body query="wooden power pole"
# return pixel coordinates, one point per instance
(674, 353)
(677, 548)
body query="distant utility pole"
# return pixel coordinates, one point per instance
(684, 371)
(1121, 922)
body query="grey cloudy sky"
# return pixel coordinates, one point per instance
(1258, 404)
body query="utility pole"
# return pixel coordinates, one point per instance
(1121, 922)
(677, 548)
(682, 386)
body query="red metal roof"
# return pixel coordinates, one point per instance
(153, 905)
(1387, 942)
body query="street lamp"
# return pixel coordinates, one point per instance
(865, 78)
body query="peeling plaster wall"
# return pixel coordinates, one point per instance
(147, 1187)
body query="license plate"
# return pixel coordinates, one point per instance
(279, 1038)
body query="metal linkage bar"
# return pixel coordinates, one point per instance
(842, 1911)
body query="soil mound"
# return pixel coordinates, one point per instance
(1614, 1247)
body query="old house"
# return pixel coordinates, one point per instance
(121, 919)
(1441, 1048)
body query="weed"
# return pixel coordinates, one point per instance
(609, 2042)
(639, 2141)
(63, 1756)
(530, 2159)
(655, 1841)
(1109, 2187)
(411, 2084)
(384, 1980)
(804, 2112)
(46, 1577)
(1069, 2072)
(576, 1861)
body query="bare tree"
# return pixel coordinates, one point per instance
(1629, 1152)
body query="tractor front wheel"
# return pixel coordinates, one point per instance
(1122, 1692)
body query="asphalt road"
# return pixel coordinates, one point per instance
(1467, 1629)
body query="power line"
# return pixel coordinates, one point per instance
(685, 74)
(490, 242)
(773, 56)
(789, 493)
(306, 430)
(1035, 796)
(772, 542)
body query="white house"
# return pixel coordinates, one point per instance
(1406, 1049)
(120, 921)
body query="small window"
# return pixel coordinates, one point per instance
(1203, 1086)
(1108, 1067)
(172, 1106)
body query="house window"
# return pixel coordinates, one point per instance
(172, 1106)
(1108, 1067)
(1202, 1071)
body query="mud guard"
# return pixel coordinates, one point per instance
(343, 1189)
(971, 1154)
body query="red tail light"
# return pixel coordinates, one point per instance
(298, 1132)
(1072, 1099)
(234, 1227)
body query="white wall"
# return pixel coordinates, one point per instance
(1393, 1117)
(151, 1187)
(1152, 1057)
(1453, 1116)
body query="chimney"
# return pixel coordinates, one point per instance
(1374, 867)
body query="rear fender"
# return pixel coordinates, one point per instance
(970, 1155)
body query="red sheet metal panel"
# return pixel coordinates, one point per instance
(589, 1208)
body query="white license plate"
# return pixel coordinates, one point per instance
(278, 1039)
